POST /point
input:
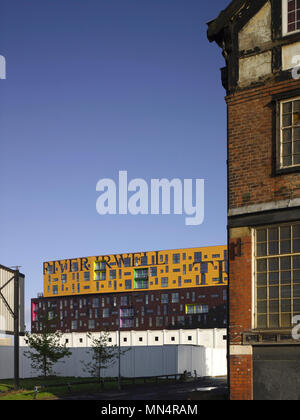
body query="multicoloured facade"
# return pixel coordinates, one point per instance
(153, 290)
(154, 270)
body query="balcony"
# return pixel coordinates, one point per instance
(100, 275)
(141, 284)
(100, 266)
(141, 274)
(127, 313)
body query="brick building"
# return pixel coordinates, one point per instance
(261, 41)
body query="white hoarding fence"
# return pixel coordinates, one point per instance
(136, 362)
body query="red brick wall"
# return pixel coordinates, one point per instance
(250, 160)
(241, 382)
(240, 314)
(250, 148)
(241, 291)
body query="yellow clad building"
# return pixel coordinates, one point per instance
(153, 270)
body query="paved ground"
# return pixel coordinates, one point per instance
(212, 388)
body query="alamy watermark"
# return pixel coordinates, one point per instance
(296, 69)
(154, 199)
(2, 67)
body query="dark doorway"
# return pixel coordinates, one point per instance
(276, 372)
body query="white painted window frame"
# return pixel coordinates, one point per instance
(285, 20)
(281, 133)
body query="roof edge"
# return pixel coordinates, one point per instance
(217, 25)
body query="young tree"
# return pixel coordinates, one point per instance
(45, 350)
(102, 354)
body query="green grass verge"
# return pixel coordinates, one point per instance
(49, 388)
(53, 388)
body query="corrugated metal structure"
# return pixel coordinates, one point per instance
(7, 300)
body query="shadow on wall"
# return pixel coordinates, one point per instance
(137, 362)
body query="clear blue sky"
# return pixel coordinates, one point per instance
(94, 87)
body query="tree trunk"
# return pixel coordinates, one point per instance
(45, 367)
